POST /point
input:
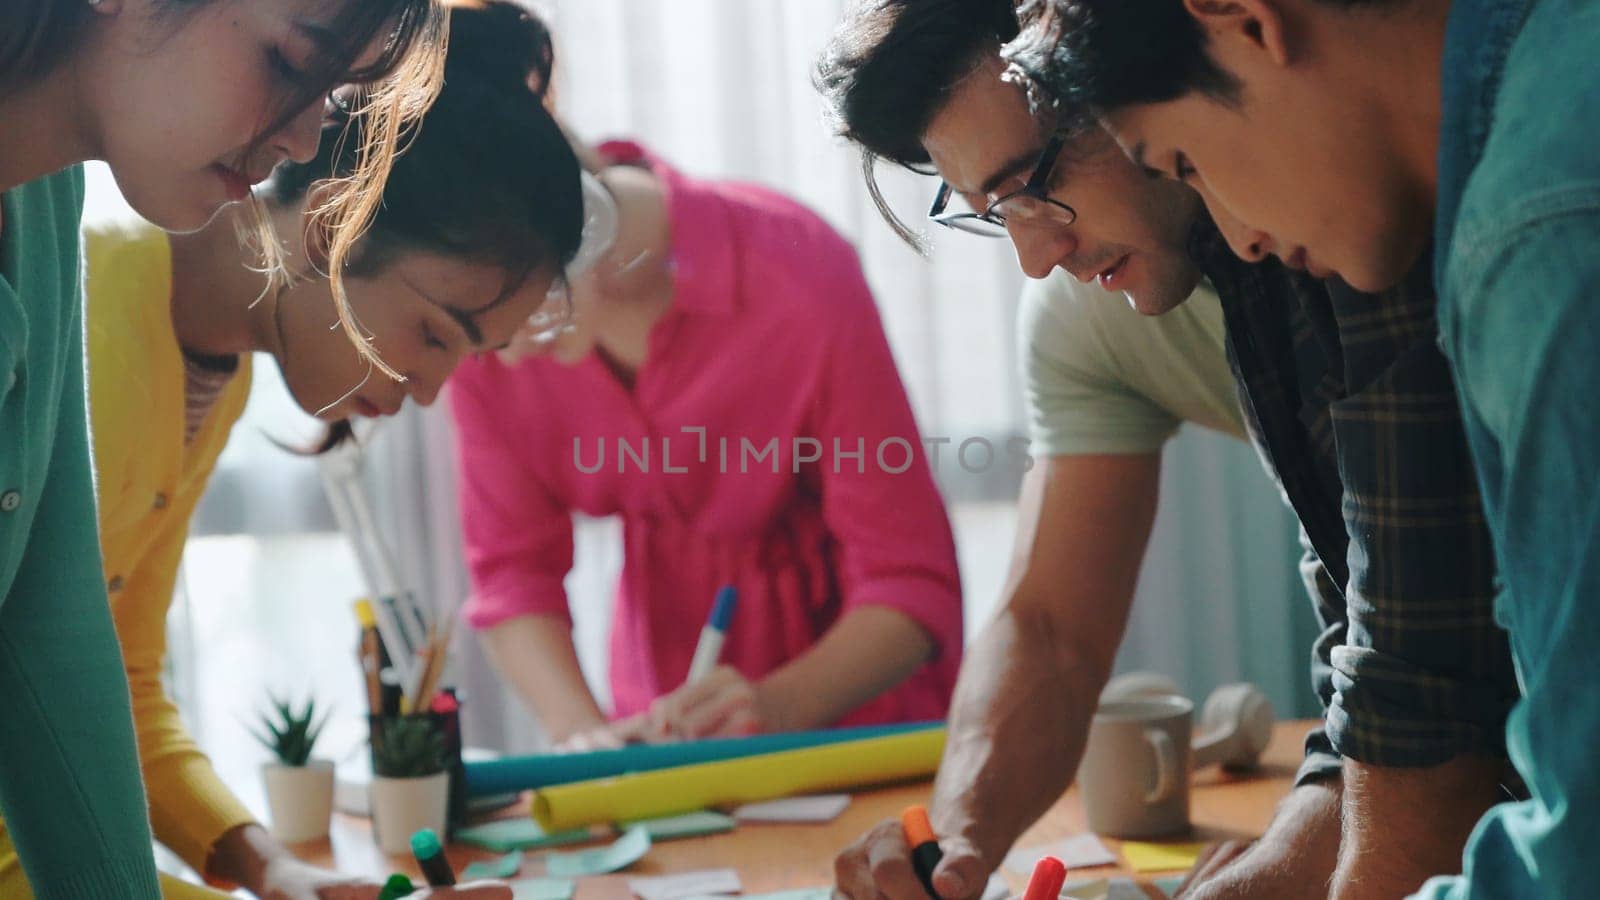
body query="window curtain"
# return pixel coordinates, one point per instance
(721, 88)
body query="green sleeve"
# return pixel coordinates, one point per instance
(70, 785)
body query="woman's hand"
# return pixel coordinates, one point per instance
(287, 878)
(610, 736)
(722, 704)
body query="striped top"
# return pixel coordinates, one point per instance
(204, 380)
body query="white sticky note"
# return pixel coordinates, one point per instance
(822, 893)
(686, 884)
(1124, 889)
(1078, 852)
(816, 808)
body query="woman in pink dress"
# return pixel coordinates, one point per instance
(727, 390)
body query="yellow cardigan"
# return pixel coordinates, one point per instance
(148, 484)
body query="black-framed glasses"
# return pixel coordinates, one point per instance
(1030, 203)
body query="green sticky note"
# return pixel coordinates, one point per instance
(543, 889)
(688, 825)
(503, 835)
(1169, 885)
(499, 867)
(620, 854)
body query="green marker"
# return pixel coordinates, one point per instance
(396, 887)
(430, 856)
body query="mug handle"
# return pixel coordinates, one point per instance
(1166, 765)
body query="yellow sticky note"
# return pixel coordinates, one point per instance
(1144, 857)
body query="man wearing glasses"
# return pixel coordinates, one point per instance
(1346, 397)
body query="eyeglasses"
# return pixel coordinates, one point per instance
(340, 104)
(1030, 204)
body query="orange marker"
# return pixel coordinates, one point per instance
(925, 853)
(1049, 874)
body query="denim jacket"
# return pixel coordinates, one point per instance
(1518, 268)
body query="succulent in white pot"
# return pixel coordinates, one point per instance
(299, 787)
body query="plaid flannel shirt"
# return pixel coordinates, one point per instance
(1351, 405)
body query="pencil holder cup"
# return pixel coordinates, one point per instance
(407, 750)
(402, 806)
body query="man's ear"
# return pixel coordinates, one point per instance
(1257, 25)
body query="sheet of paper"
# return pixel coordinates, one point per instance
(1088, 889)
(1077, 852)
(1102, 889)
(686, 884)
(1143, 857)
(1124, 889)
(821, 893)
(499, 867)
(524, 833)
(614, 857)
(815, 808)
(543, 889)
(1169, 885)
(688, 825)
(996, 889)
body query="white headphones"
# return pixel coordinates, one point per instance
(1235, 723)
(600, 224)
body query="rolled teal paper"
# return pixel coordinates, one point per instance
(521, 773)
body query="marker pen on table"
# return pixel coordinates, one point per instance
(709, 650)
(925, 853)
(430, 857)
(1049, 874)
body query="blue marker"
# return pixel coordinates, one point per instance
(709, 650)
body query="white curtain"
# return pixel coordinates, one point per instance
(721, 88)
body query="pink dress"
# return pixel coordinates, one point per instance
(732, 460)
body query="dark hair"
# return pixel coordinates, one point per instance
(891, 65)
(489, 177)
(1087, 57)
(36, 35)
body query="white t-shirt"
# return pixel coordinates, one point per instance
(1102, 378)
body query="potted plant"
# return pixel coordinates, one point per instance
(410, 787)
(299, 788)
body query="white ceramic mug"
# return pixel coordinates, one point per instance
(1135, 771)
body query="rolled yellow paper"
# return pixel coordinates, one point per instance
(667, 792)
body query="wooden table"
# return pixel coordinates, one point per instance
(783, 857)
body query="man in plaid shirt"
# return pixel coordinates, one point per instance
(1353, 410)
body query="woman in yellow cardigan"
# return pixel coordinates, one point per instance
(466, 247)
